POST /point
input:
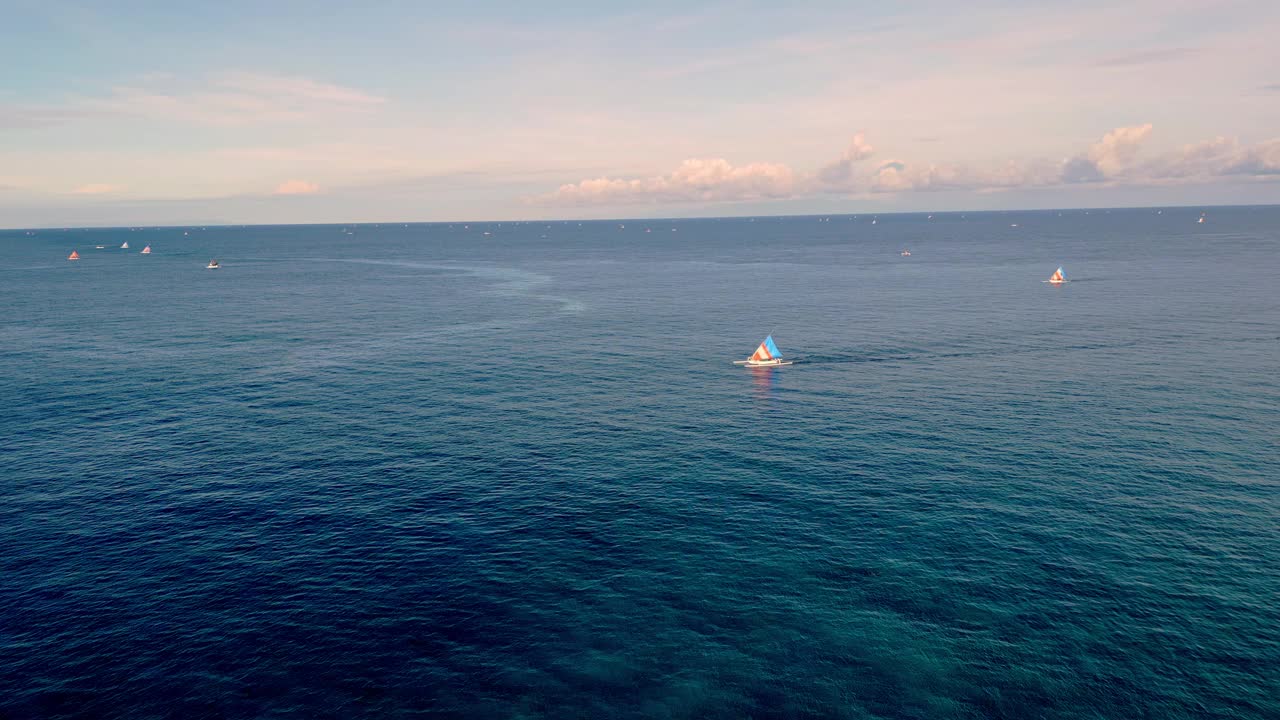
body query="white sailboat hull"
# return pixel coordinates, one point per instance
(762, 363)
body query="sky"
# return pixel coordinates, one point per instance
(132, 113)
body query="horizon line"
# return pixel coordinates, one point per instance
(223, 224)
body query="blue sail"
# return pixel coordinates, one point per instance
(773, 349)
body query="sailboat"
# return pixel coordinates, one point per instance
(767, 355)
(213, 265)
(125, 246)
(1201, 220)
(905, 253)
(146, 250)
(74, 255)
(1057, 278)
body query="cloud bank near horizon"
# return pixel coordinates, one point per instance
(296, 187)
(1115, 159)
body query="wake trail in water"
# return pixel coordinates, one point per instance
(504, 280)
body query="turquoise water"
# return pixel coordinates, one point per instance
(420, 470)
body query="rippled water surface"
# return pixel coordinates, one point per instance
(508, 470)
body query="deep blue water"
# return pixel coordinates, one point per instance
(428, 471)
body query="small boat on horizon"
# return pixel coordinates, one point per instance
(125, 246)
(99, 247)
(1057, 278)
(767, 355)
(1201, 220)
(905, 253)
(213, 265)
(146, 250)
(74, 255)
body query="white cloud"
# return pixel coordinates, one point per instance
(14, 116)
(842, 169)
(1114, 158)
(97, 189)
(231, 99)
(897, 176)
(296, 187)
(1108, 157)
(1148, 57)
(297, 88)
(1216, 158)
(697, 179)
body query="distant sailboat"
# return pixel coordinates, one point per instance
(213, 265)
(125, 246)
(1057, 278)
(767, 355)
(906, 253)
(146, 250)
(1201, 220)
(74, 255)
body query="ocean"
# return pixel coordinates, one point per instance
(508, 470)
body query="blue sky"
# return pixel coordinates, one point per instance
(159, 113)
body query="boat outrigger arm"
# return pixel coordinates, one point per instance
(767, 355)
